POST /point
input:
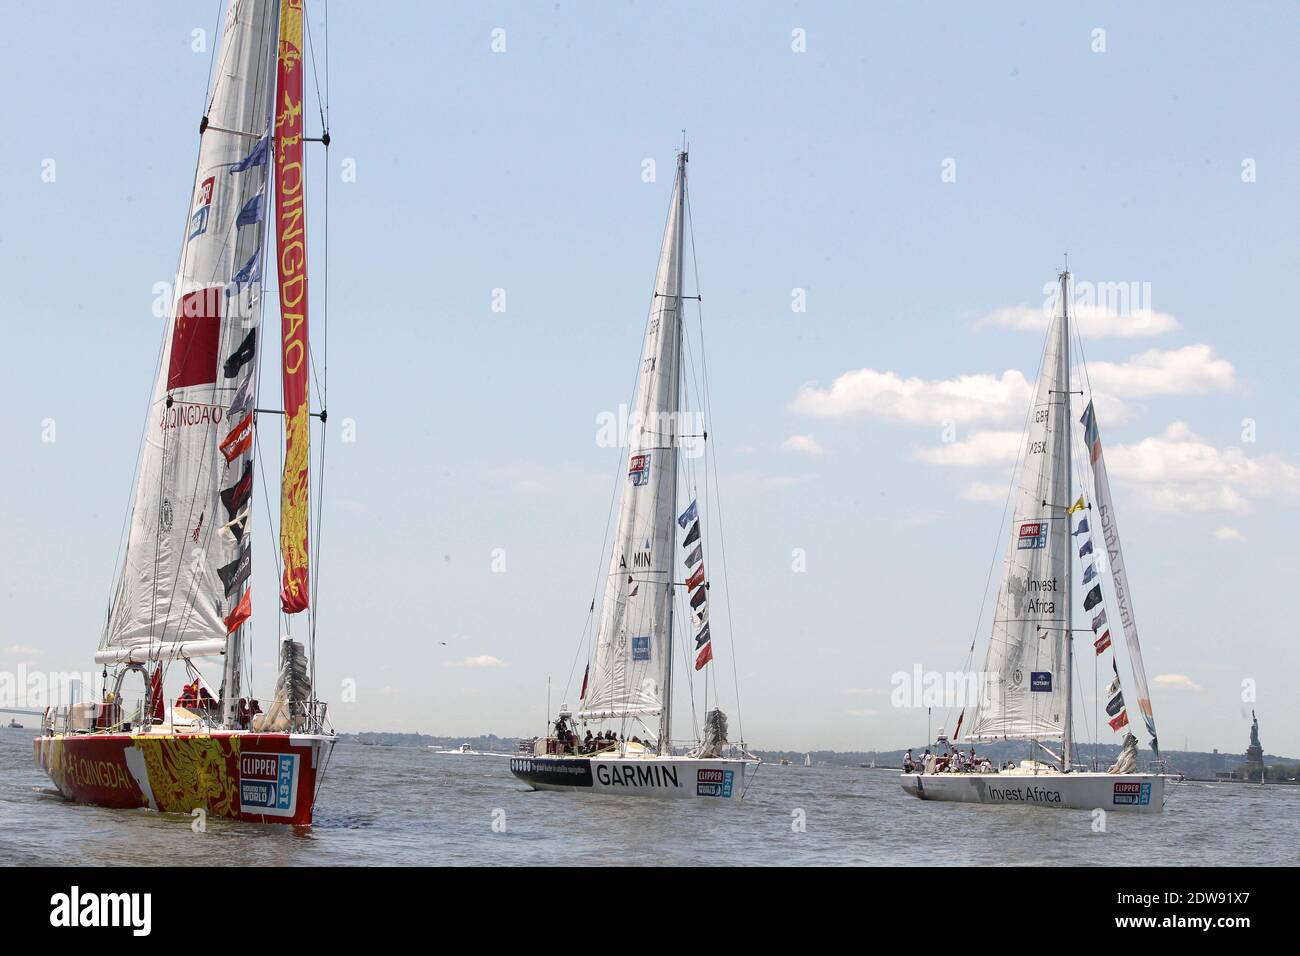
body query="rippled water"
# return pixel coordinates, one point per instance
(382, 805)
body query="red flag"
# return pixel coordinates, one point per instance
(1121, 721)
(156, 702)
(1102, 642)
(956, 734)
(704, 656)
(239, 440)
(696, 579)
(242, 612)
(583, 695)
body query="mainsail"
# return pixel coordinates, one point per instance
(1118, 569)
(187, 557)
(1025, 692)
(633, 643)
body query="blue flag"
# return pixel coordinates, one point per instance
(1089, 573)
(1083, 525)
(1086, 549)
(249, 273)
(687, 516)
(255, 158)
(252, 211)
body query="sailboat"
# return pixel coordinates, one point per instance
(183, 596)
(1028, 684)
(628, 682)
(807, 760)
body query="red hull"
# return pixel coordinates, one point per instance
(259, 778)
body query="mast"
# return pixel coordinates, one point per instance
(666, 717)
(1069, 550)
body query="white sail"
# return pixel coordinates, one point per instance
(186, 564)
(1025, 694)
(633, 643)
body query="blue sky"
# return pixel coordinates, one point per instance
(822, 171)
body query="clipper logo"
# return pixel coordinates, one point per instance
(73, 909)
(202, 205)
(1033, 534)
(1131, 794)
(268, 783)
(638, 469)
(713, 783)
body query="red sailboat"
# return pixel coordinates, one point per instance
(183, 599)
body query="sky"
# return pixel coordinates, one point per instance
(881, 197)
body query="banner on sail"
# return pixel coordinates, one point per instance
(1119, 573)
(291, 256)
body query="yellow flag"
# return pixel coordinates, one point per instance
(1077, 506)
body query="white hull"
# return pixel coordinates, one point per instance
(636, 776)
(1144, 792)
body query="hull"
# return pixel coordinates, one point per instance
(258, 778)
(1140, 792)
(668, 777)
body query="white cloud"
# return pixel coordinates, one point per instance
(22, 650)
(805, 444)
(483, 660)
(1191, 370)
(1180, 471)
(981, 448)
(1092, 321)
(1176, 681)
(967, 398)
(1229, 534)
(984, 491)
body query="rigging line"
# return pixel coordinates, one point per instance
(711, 455)
(217, 34)
(320, 103)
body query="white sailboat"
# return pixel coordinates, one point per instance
(1028, 681)
(184, 595)
(620, 741)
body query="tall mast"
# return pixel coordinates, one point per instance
(1069, 548)
(666, 716)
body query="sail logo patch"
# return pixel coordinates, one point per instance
(641, 648)
(1033, 534)
(1131, 794)
(196, 339)
(714, 783)
(202, 205)
(268, 783)
(638, 469)
(1040, 681)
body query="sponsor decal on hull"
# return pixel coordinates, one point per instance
(1027, 794)
(268, 783)
(554, 772)
(1131, 794)
(714, 783)
(271, 782)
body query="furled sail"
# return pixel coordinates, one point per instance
(1024, 692)
(633, 642)
(1118, 569)
(187, 562)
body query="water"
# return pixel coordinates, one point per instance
(407, 806)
